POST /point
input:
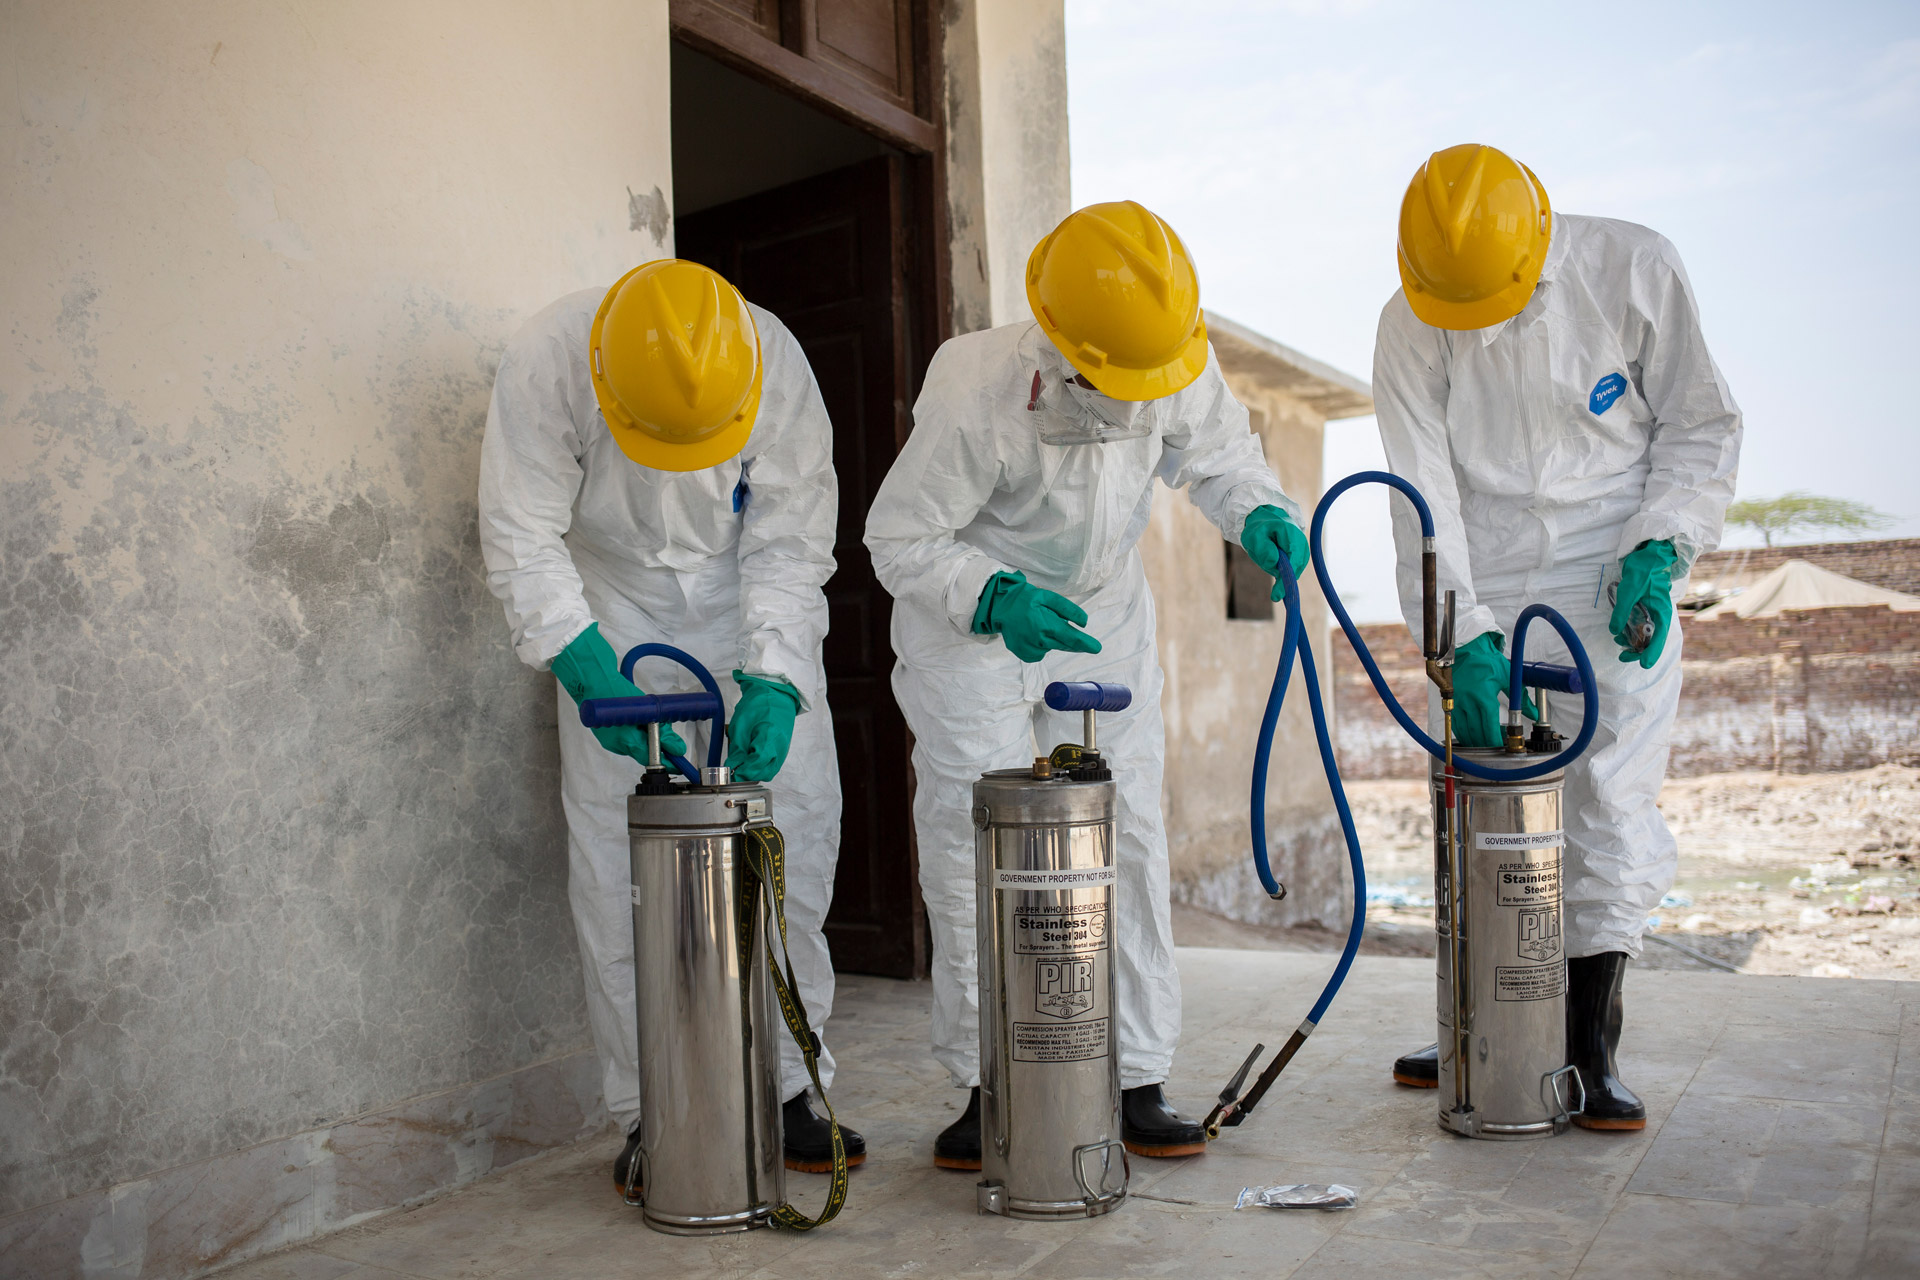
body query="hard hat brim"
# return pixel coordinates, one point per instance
(1478, 314)
(651, 451)
(1119, 381)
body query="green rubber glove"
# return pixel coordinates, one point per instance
(586, 668)
(1481, 674)
(761, 731)
(1269, 534)
(1031, 620)
(1646, 578)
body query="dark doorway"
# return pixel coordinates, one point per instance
(837, 255)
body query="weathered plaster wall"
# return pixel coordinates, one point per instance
(280, 841)
(1218, 673)
(1007, 181)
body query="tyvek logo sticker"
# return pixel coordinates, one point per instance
(1606, 391)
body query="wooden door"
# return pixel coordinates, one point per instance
(829, 256)
(870, 62)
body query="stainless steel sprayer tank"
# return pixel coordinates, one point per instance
(1501, 965)
(1049, 1073)
(709, 1004)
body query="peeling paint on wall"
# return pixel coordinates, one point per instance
(280, 836)
(648, 213)
(280, 807)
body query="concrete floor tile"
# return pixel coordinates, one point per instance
(1799, 1063)
(1350, 1256)
(1710, 1148)
(636, 1250)
(1150, 1238)
(1824, 1155)
(1663, 1236)
(1758, 1151)
(305, 1265)
(1757, 1159)
(1906, 1070)
(933, 1229)
(1893, 1231)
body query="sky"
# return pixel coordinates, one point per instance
(1777, 146)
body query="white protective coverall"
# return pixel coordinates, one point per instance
(725, 563)
(1549, 446)
(975, 492)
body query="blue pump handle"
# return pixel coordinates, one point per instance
(705, 677)
(1088, 695)
(648, 708)
(1552, 676)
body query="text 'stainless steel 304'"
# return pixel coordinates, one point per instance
(1049, 1073)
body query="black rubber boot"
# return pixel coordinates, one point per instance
(1149, 1127)
(809, 1138)
(1593, 1034)
(1419, 1069)
(625, 1162)
(958, 1146)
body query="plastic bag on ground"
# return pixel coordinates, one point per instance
(1298, 1195)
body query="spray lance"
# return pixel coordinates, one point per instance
(1437, 651)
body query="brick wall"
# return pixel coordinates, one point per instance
(1893, 563)
(1806, 692)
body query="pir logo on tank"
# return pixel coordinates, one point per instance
(1539, 933)
(1063, 988)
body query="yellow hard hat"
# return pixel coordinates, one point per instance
(1115, 290)
(675, 358)
(1474, 228)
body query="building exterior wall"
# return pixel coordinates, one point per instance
(1811, 691)
(1218, 673)
(281, 851)
(1007, 181)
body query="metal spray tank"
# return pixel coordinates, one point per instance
(711, 984)
(1049, 1071)
(1501, 965)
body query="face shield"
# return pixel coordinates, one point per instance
(1072, 412)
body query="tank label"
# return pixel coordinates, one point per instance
(1063, 878)
(1519, 839)
(1063, 988)
(1529, 982)
(1529, 884)
(1059, 930)
(1060, 1041)
(1539, 933)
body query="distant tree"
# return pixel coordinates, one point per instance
(1799, 511)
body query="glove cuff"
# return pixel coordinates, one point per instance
(575, 665)
(776, 683)
(997, 588)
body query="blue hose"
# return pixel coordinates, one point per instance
(1295, 644)
(1590, 695)
(705, 677)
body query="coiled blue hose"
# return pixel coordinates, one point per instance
(1295, 645)
(705, 677)
(1590, 694)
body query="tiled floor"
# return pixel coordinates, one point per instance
(1784, 1140)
